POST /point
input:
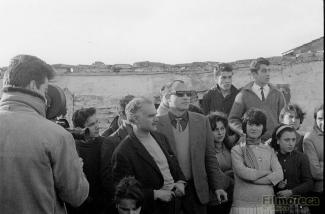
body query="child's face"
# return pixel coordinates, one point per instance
(254, 131)
(287, 142)
(290, 118)
(128, 206)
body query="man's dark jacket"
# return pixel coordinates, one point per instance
(108, 147)
(213, 100)
(131, 158)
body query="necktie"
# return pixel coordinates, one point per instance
(262, 93)
(178, 124)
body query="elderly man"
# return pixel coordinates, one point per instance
(39, 165)
(191, 139)
(146, 155)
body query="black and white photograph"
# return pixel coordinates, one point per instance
(161, 107)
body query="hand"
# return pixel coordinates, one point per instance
(282, 184)
(163, 195)
(179, 189)
(285, 193)
(222, 196)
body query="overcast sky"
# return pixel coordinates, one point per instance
(169, 31)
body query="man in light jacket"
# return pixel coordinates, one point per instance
(39, 166)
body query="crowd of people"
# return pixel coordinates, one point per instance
(234, 151)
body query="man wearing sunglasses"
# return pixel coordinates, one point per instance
(164, 107)
(191, 139)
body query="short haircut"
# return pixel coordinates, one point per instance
(256, 64)
(222, 67)
(80, 116)
(292, 108)
(276, 135)
(123, 102)
(129, 188)
(169, 87)
(254, 116)
(317, 109)
(134, 106)
(25, 68)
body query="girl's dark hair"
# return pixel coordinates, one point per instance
(215, 117)
(254, 116)
(129, 188)
(277, 133)
(292, 108)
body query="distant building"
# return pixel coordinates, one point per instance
(63, 69)
(313, 47)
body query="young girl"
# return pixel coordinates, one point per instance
(297, 176)
(222, 145)
(256, 168)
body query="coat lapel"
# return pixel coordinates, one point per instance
(194, 131)
(144, 154)
(166, 129)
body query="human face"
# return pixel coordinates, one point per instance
(291, 119)
(224, 80)
(287, 142)
(254, 131)
(146, 119)
(320, 120)
(220, 132)
(177, 102)
(262, 76)
(128, 206)
(93, 125)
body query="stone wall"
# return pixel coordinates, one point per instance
(104, 91)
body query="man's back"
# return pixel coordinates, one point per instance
(39, 164)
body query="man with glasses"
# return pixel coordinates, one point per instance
(259, 94)
(221, 97)
(191, 139)
(164, 107)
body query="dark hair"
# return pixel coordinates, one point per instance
(256, 64)
(276, 135)
(129, 188)
(123, 102)
(25, 68)
(215, 117)
(317, 109)
(222, 67)
(292, 108)
(254, 116)
(80, 116)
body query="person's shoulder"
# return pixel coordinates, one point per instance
(197, 115)
(237, 148)
(309, 135)
(125, 144)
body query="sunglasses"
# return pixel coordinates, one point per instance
(182, 93)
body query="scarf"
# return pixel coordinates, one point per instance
(249, 157)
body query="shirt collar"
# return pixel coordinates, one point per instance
(258, 88)
(184, 116)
